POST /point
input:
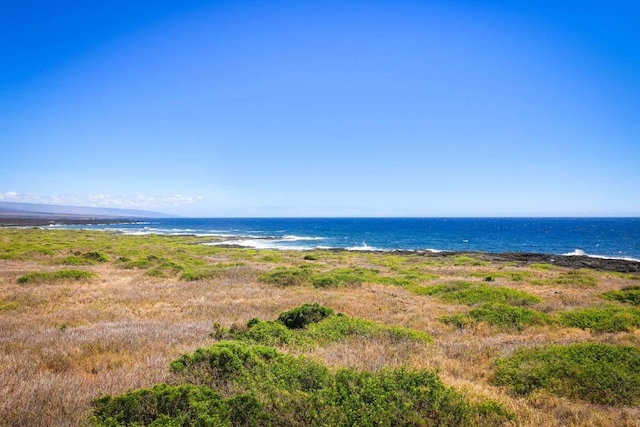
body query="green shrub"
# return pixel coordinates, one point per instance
(319, 327)
(628, 295)
(182, 405)
(283, 276)
(604, 319)
(470, 293)
(234, 384)
(499, 315)
(311, 257)
(53, 276)
(96, 256)
(75, 260)
(303, 315)
(9, 305)
(598, 373)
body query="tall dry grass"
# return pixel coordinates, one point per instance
(70, 342)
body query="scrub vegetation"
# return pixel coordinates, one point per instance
(110, 329)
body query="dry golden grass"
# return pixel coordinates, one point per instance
(70, 342)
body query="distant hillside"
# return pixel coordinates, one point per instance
(36, 210)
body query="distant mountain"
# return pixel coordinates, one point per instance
(37, 210)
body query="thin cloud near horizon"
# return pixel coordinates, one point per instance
(134, 201)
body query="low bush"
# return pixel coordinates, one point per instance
(287, 276)
(96, 256)
(52, 276)
(319, 327)
(598, 373)
(502, 316)
(75, 260)
(234, 384)
(603, 319)
(302, 316)
(470, 293)
(628, 295)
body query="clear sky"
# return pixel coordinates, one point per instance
(323, 108)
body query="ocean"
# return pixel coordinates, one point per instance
(598, 237)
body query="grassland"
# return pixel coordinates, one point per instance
(96, 317)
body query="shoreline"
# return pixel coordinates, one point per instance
(37, 221)
(619, 265)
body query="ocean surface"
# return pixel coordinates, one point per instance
(599, 237)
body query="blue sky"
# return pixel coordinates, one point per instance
(323, 108)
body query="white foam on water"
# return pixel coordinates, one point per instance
(363, 247)
(580, 252)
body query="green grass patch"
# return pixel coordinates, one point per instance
(55, 276)
(514, 276)
(628, 295)
(542, 266)
(465, 260)
(471, 293)
(598, 373)
(603, 319)
(339, 277)
(234, 384)
(287, 276)
(501, 316)
(75, 260)
(9, 305)
(579, 278)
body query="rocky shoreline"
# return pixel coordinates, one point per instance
(520, 258)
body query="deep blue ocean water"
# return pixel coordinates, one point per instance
(605, 237)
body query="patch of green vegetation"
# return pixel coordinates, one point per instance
(628, 276)
(287, 276)
(628, 295)
(514, 276)
(310, 325)
(598, 373)
(603, 319)
(471, 293)
(467, 260)
(234, 384)
(542, 266)
(182, 405)
(96, 256)
(416, 275)
(349, 276)
(52, 276)
(311, 257)
(339, 277)
(304, 315)
(271, 257)
(502, 316)
(9, 305)
(75, 260)
(579, 278)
